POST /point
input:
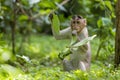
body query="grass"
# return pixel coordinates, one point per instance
(44, 64)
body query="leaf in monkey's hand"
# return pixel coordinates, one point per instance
(55, 24)
(67, 50)
(84, 41)
(64, 53)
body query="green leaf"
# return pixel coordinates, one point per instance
(106, 21)
(64, 53)
(99, 23)
(84, 41)
(43, 12)
(23, 17)
(47, 4)
(55, 24)
(108, 4)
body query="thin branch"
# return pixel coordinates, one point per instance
(62, 3)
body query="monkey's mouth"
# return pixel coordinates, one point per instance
(76, 29)
(74, 32)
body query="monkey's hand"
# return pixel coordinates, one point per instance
(51, 16)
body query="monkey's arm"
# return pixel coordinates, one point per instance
(63, 34)
(59, 34)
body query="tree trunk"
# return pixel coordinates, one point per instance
(13, 37)
(13, 25)
(117, 38)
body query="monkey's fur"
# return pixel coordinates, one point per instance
(80, 58)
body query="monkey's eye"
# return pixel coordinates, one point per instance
(73, 22)
(78, 22)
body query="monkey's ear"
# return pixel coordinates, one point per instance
(80, 17)
(85, 21)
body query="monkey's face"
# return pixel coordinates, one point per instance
(78, 23)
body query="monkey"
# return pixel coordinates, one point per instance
(80, 58)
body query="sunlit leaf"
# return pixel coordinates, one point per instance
(55, 24)
(43, 12)
(1, 17)
(47, 4)
(108, 4)
(11, 70)
(99, 23)
(23, 17)
(113, 15)
(5, 55)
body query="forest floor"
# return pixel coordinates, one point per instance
(37, 59)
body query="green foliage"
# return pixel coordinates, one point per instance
(36, 13)
(5, 55)
(57, 74)
(1, 40)
(105, 27)
(5, 51)
(42, 50)
(40, 62)
(105, 33)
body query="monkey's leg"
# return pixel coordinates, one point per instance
(82, 66)
(67, 66)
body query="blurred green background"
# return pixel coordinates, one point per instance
(28, 51)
